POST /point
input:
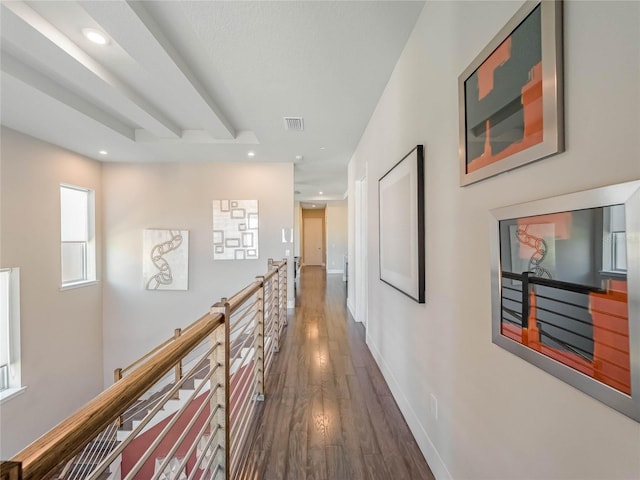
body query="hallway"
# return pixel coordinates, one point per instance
(328, 412)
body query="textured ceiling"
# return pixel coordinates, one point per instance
(202, 81)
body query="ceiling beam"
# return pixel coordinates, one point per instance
(27, 75)
(133, 28)
(182, 66)
(139, 109)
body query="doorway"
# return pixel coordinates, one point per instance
(361, 251)
(313, 237)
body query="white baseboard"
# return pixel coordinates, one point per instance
(425, 444)
(352, 308)
(335, 270)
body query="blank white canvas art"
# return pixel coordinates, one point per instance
(165, 264)
(235, 229)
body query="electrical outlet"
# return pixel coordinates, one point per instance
(433, 405)
(287, 252)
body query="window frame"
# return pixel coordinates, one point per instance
(610, 254)
(89, 269)
(13, 367)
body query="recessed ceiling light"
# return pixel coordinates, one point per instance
(103, 152)
(323, 148)
(95, 36)
(251, 154)
(320, 193)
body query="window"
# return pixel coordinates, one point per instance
(9, 332)
(615, 239)
(78, 265)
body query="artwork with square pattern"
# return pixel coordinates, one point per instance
(235, 229)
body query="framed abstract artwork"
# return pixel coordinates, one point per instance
(566, 289)
(165, 264)
(235, 230)
(402, 235)
(511, 95)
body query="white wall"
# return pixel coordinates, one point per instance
(297, 222)
(336, 223)
(179, 196)
(498, 417)
(61, 331)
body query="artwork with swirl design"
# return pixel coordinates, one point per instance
(533, 249)
(165, 263)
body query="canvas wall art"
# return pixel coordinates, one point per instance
(165, 264)
(235, 230)
(511, 97)
(402, 235)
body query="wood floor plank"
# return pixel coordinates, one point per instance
(418, 468)
(331, 409)
(297, 449)
(278, 456)
(392, 412)
(328, 413)
(317, 464)
(352, 442)
(377, 380)
(337, 464)
(376, 468)
(362, 422)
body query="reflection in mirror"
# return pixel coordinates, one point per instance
(564, 290)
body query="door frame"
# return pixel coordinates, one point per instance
(314, 213)
(360, 244)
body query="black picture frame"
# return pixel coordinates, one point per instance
(401, 214)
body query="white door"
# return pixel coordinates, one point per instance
(312, 231)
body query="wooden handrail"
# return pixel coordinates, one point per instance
(279, 264)
(150, 353)
(65, 440)
(10, 471)
(239, 298)
(271, 273)
(242, 296)
(122, 371)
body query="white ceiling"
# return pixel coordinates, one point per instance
(203, 81)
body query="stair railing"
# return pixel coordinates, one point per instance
(183, 411)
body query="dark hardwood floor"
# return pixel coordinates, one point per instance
(328, 412)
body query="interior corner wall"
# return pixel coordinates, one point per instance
(336, 222)
(180, 196)
(498, 416)
(60, 331)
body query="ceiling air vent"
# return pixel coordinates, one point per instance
(295, 124)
